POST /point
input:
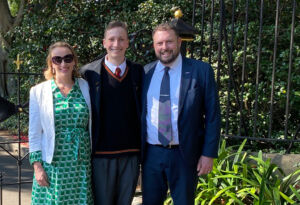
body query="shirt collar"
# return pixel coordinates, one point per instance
(174, 65)
(113, 67)
(55, 88)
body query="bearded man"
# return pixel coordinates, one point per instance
(180, 121)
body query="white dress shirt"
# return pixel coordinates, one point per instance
(113, 67)
(153, 100)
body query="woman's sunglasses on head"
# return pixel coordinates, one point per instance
(57, 60)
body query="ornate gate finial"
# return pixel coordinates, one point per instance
(18, 62)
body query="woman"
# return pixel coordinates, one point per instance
(59, 132)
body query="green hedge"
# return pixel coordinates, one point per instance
(82, 23)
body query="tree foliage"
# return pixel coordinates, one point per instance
(82, 23)
(11, 13)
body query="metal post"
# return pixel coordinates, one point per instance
(241, 122)
(289, 73)
(258, 67)
(229, 87)
(212, 14)
(202, 29)
(219, 42)
(19, 137)
(1, 175)
(273, 70)
(193, 24)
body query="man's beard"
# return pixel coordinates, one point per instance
(171, 59)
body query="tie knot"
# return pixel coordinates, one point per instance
(167, 69)
(118, 72)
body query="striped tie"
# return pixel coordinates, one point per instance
(164, 118)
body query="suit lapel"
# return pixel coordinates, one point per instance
(146, 83)
(186, 74)
(133, 79)
(97, 68)
(135, 84)
(147, 80)
(97, 95)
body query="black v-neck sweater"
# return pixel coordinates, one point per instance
(119, 133)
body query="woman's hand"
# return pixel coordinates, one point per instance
(40, 174)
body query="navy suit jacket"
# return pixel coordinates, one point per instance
(92, 73)
(198, 110)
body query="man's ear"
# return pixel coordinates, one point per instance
(127, 43)
(103, 42)
(179, 40)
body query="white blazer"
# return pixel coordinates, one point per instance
(41, 132)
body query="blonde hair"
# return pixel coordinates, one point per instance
(48, 73)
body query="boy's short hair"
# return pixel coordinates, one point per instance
(166, 26)
(115, 24)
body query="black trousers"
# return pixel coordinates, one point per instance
(115, 180)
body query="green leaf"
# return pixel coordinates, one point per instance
(245, 173)
(276, 196)
(261, 192)
(288, 199)
(236, 158)
(235, 168)
(250, 191)
(258, 177)
(236, 177)
(258, 160)
(297, 194)
(233, 196)
(219, 193)
(203, 202)
(272, 168)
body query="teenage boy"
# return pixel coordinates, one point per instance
(115, 88)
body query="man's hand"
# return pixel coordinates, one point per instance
(205, 165)
(40, 174)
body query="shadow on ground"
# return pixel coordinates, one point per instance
(9, 169)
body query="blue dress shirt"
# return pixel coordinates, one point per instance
(153, 100)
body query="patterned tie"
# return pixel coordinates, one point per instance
(118, 72)
(164, 116)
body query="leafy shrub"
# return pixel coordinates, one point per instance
(82, 23)
(242, 178)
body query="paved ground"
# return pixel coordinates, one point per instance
(10, 194)
(8, 166)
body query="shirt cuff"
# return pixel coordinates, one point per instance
(35, 157)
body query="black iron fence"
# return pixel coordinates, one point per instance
(15, 109)
(223, 48)
(242, 85)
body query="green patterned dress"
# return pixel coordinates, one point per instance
(69, 173)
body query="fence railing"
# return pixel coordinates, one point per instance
(247, 122)
(242, 117)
